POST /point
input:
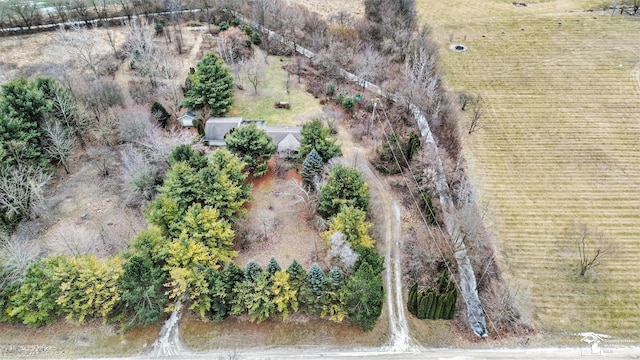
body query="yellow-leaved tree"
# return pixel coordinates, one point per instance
(186, 260)
(88, 286)
(284, 295)
(351, 222)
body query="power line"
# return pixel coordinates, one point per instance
(415, 200)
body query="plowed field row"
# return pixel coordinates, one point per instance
(559, 144)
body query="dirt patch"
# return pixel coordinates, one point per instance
(276, 224)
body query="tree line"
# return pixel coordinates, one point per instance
(186, 257)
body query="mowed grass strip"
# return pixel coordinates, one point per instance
(560, 144)
(272, 89)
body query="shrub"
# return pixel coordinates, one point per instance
(348, 103)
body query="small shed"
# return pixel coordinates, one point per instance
(187, 119)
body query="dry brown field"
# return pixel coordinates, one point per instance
(559, 144)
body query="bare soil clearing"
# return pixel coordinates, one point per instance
(276, 226)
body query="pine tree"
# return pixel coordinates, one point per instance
(316, 279)
(284, 295)
(316, 282)
(344, 186)
(333, 299)
(160, 114)
(351, 222)
(252, 270)
(363, 296)
(143, 293)
(273, 266)
(298, 281)
(316, 136)
(311, 167)
(232, 276)
(253, 146)
(335, 278)
(210, 87)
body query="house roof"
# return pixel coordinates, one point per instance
(188, 114)
(289, 143)
(278, 133)
(287, 138)
(216, 128)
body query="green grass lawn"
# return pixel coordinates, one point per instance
(251, 106)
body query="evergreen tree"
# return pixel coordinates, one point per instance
(351, 222)
(221, 184)
(316, 279)
(333, 299)
(160, 114)
(34, 303)
(143, 292)
(273, 266)
(311, 167)
(253, 146)
(370, 256)
(315, 289)
(252, 270)
(205, 226)
(195, 159)
(298, 281)
(210, 87)
(344, 186)
(335, 278)
(181, 184)
(232, 276)
(22, 109)
(284, 295)
(317, 136)
(363, 296)
(412, 302)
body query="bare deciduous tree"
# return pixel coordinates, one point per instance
(27, 11)
(422, 80)
(140, 176)
(133, 123)
(103, 158)
(341, 252)
(370, 65)
(143, 53)
(254, 71)
(15, 256)
(21, 191)
(73, 239)
(60, 143)
(158, 144)
(477, 112)
(61, 8)
(592, 246)
(82, 44)
(302, 194)
(80, 10)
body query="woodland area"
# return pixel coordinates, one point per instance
(194, 200)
